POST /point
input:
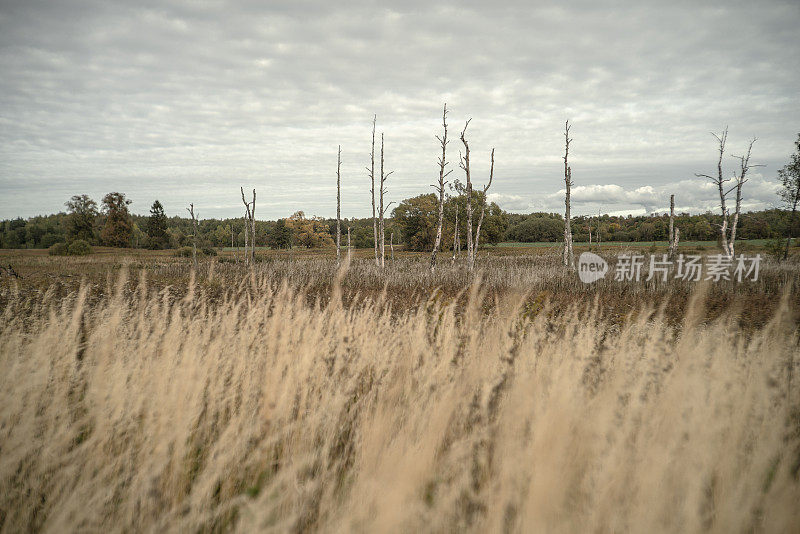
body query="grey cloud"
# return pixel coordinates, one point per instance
(154, 98)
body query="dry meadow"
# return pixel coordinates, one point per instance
(138, 395)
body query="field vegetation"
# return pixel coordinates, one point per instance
(137, 394)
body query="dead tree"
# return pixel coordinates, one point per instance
(190, 209)
(569, 259)
(483, 204)
(371, 172)
(391, 244)
(338, 207)
(464, 163)
(246, 227)
(440, 188)
(745, 166)
(253, 228)
(719, 181)
(349, 250)
(456, 238)
(382, 212)
(673, 230)
(249, 227)
(10, 270)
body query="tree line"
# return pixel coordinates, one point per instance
(413, 224)
(428, 222)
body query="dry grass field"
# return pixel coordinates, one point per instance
(138, 395)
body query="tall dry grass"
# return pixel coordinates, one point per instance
(261, 411)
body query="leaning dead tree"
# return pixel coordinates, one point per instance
(473, 241)
(338, 207)
(439, 187)
(371, 172)
(10, 271)
(719, 181)
(249, 227)
(464, 163)
(190, 209)
(674, 233)
(569, 259)
(483, 203)
(383, 209)
(744, 167)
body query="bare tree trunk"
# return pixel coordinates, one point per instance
(740, 180)
(246, 231)
(249, 227)
(719, 181)
(371, 171)
(338, 207)
(792, 224)
(380, 213)
(349, 250)
(383, 209)
(673, 240)
(190, 209)
(253, 229)
(391, 244)
(455, 237)
(483, 206)
(598, 229)
(465, 166)
(671, 221)
(440, 188)
(569, 259)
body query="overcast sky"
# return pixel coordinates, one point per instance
(187, 100)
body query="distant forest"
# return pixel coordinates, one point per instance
(413, 224)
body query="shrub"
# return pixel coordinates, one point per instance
(79, 247)
(59, 249)
(186, 252)
(775, 248)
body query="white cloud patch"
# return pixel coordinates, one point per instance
(695, 195)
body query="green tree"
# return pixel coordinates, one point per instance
(157, 227)
(118, 228)
(280, 236)
(310, 233)
(789, 192)
(417, 219)
(539, 227)
(82, 215)
(495, 224)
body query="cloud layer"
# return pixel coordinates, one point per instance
(185, 101)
